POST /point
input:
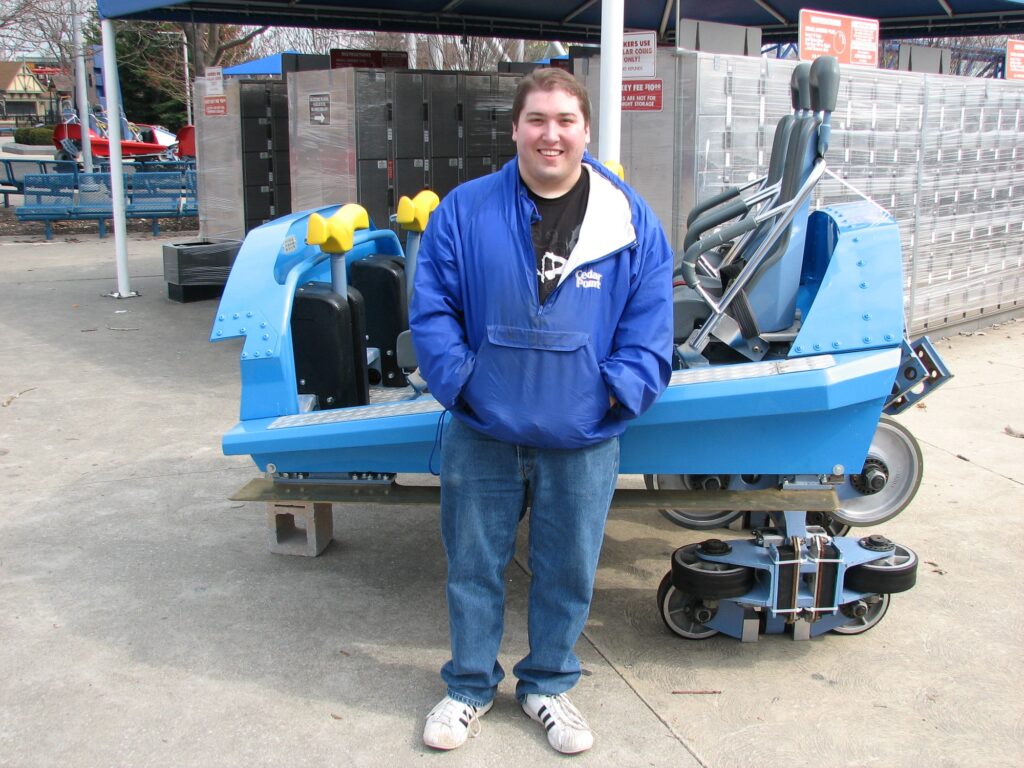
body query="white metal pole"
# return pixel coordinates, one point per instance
(609, 126)
(113, 92)
(82, 95)
(188, 80)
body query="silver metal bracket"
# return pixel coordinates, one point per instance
(921, 371)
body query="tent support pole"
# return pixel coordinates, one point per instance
(113, 93)
(610, 124)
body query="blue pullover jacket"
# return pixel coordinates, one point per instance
(541, 374)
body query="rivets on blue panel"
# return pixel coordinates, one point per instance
(888, 337)
(266, 336)
(269, 353)
(798, 349)
(235, 316)
(836, 344)
(867, 339)
(220, 333)
(817, 347)
(220, 318)
(263, 325)
(866, 316)
(241, 330)
(863, 286)
(248, 314)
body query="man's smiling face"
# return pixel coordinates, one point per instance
(550, 138)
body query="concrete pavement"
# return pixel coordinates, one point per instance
(145, 623)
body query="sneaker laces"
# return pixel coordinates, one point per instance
(565, 713)
(449, 712)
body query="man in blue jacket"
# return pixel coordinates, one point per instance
(542, 319)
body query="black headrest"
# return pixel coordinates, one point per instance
(824, 84)
(800, 85)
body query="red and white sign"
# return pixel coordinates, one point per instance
(215, 106)
(1015, 59)
(639, 52)
(851, 39)
(215, 81)
(641, 95)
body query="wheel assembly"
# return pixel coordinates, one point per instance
(895, 572)
(832, 526)
(681, 612)
(706, 579)
(888, 480)
(702, 520)
(863, 614)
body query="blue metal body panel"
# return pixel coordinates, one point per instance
(812, 413)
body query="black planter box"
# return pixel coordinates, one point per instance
(198, 270)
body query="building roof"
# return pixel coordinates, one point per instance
(10, 80)
(579, 20)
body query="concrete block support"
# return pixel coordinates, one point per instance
(296, 528)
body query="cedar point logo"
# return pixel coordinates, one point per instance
(588, 279)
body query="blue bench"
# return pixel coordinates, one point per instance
(13, 173)
(51, 197)
(48, 198)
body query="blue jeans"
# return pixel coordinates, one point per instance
(486, 485)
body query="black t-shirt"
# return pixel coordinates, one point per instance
(555, 235)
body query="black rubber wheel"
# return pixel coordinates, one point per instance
(676, 609)
(875, 611)
(897, 572)
(708, 580)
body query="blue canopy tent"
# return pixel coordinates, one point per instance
(268, 65)
(579, 21)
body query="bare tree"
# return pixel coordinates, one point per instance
(30, 26)
(425, 51)
(478, 53)
(303, 40)
(212, 45)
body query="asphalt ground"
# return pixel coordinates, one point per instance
(145, 623)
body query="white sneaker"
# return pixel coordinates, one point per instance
(451, 722)
(567, 731)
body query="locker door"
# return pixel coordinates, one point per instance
(443, 115)
(374, 190)
(371, 115)
(477, 118)
(408, 116)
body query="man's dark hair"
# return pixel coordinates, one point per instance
(548, 79)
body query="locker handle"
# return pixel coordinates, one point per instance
(425, 111)
(458, 112)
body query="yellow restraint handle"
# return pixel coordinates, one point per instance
(335, 235)
(616, 167)
(414, 214)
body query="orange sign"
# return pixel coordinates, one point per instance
(851, 39)
(1015, 59)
